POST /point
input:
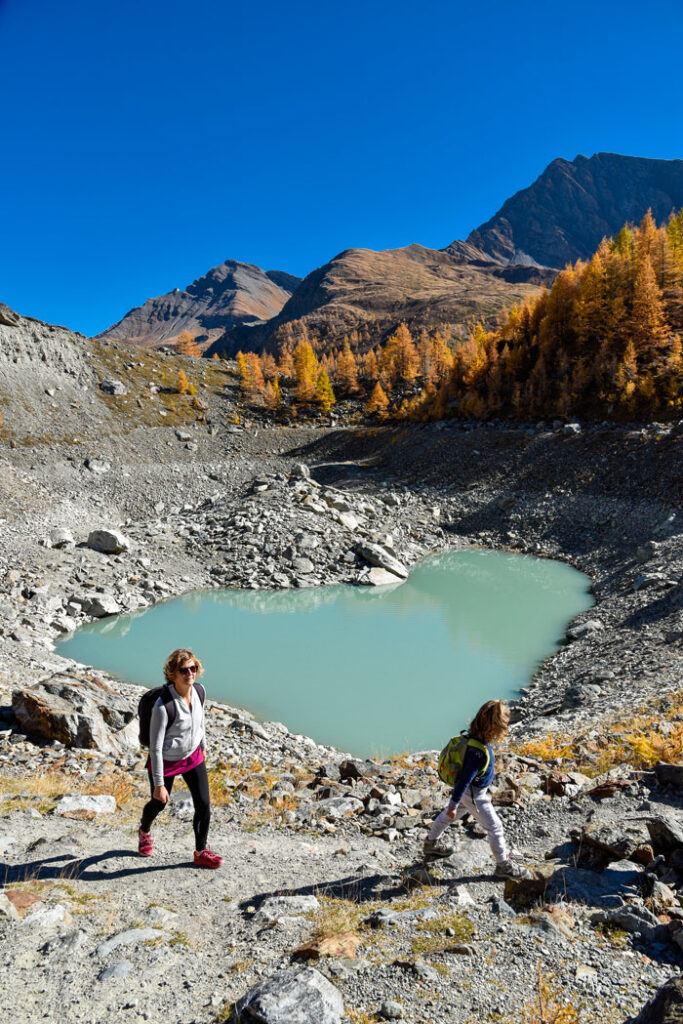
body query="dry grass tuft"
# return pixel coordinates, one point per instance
(652, 734)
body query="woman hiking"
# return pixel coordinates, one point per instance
(471, 789)
(176, 747)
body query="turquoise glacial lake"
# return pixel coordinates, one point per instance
(373, 671)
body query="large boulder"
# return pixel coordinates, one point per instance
(292, 996)
(109, 542)
(375, 554)
(666, 1007)
(76, 713)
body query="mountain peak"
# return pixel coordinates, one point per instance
(564, 215)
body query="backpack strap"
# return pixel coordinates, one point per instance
(169, 704)
(471, 742)
(201, 693)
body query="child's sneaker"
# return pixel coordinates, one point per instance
(145, 848)
(207, 859)
(509, 869)
(436, 849)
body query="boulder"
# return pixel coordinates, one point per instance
(633, 919)
(666, 1007)
(584, 629)
(377, 577)
(666, 833)
(113, 387)
(375, 554)
(669, 774)
(109, 542)
(76, 713)
(97, 466)
(292, 996)
(300, 471)
(102, 804)
(60, 538)
(101, 605)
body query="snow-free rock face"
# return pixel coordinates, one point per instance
(230, 294)
(297, 996)
(573, 205)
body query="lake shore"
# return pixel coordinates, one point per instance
(230, 506)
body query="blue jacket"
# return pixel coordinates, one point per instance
(471, 766)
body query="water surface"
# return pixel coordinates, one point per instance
(370, 670)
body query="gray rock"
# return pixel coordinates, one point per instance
(391, 1010)
(292, 996)
(633, 919)
(113, 387)
(66, 945)
(132, 937)
(300, 471)
(121, 969)
(666, 1007)
(571, 429)
(183, 435)
(666, 832)
(304, 565)
(102, 605)
(76, 714)
(109, 542)
(276, 907)
(584, 629)
(60, 538)
(653, 580)
(97, 466)
(375, 554)
(7, 909)
(377, 577)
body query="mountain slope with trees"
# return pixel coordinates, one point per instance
(366, 294)
(605, 340)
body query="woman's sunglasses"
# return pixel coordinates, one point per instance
(186, 669)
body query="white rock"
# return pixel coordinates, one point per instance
(7, 909)
(45, 915)
(276, 907)
(102, 804)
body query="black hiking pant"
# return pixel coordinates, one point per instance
(198, 784)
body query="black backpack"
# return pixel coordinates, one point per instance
(149, 699)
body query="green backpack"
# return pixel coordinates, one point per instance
(453, 754)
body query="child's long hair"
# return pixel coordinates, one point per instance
(491, 721)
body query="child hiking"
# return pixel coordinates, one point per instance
(469, 761)
(172, 724)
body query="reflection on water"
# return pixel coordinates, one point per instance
(371, 670)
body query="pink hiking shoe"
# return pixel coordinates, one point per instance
(207, 859)
(145, 848)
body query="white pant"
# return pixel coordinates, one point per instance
(482, 809)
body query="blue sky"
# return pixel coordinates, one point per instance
(145, 142)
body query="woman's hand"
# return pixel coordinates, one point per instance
(161, 793)
(451, 811)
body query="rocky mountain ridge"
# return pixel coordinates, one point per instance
(366, 291)
(229, 294)
(564, 215)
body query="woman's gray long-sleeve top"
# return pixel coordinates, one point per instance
(179, 739)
